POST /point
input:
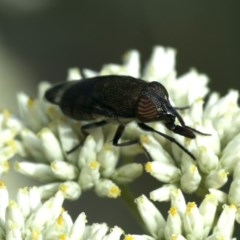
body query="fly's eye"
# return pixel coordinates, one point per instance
(146, 109)
(159, 89)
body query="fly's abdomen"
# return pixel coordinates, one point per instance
(77, 104)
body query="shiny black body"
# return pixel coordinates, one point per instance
(122, 99)
(87, 99)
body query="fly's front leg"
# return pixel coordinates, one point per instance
(145, 127)
(118, 135)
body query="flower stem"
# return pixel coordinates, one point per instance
(129, 199)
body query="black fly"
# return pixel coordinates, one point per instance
(123, 99)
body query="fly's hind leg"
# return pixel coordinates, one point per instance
(84, 129)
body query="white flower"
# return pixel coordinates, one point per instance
(225, 223)
(9, 128)
(193, 222)
(187, 221)
(138, 237)
(162, 194)
(174, 224)
(207, 209)
(107, 188)
(29, 218)
(164, 172)
(151, 217)
(48, 136)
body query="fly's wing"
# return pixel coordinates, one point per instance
(104, 96)
(76, 99)
(120, 94)
(54, 94)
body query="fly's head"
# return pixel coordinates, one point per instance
(153, 105)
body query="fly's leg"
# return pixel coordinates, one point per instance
(86, 127)
(145, 127)
(118, 135)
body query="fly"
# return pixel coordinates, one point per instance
(116, 97)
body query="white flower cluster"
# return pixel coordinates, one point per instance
(186, 220)
(28, 218)
(48, 136)
(9, 128)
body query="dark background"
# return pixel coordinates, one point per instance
(49, 39)
(44, 39)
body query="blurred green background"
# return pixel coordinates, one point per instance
(40, 40)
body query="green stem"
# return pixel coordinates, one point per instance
(129, 199)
